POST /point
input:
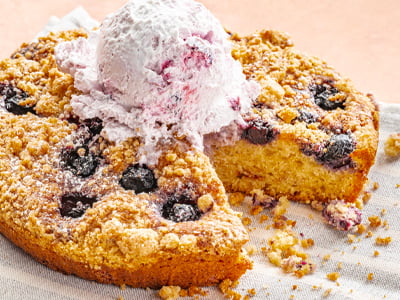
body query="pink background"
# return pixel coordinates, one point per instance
(360, 38)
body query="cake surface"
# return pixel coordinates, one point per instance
(310, 136)
(83, 205)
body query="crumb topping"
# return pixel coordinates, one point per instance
(293, 83)
(392, 145)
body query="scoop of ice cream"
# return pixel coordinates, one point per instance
(158, 69)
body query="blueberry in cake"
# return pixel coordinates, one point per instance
(310, 136)
(84, 205)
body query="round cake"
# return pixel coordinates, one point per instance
(87, 205)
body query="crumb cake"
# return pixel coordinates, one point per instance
(83, 205)
(310, 136)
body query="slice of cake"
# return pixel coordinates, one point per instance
(310, 135)
(84, 205)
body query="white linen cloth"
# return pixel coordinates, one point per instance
(21, 277)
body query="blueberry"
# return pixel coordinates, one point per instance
(322, 94)
(307, 116)
(183, 212)
(180, 208)
(337, 150)
(94, 125)
(74, 205)
(334, 153)
(13, 96)
(79, 160)
(138, 178)
(259, 132)
(88, 129)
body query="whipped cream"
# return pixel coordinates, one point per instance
(158, 69)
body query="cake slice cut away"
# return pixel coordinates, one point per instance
(311, 136)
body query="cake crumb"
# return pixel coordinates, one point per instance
(282, 206)
(361, 228)
(256, 210)
(120, 298)
(326, 257)
(307, 243)
(294, 287)
(291, 223)
(340, 265)
(374, 221)
(369, 234)
(317, 205)
(169, 292)
(251, 249)
(246, 221)
(327, 293)
(351, 238)
(236, 199)
(370, 276)
(383, 241)
(192, 291)
(376, 253)
(284, 252)
(205, 203)
(385, 225)
(279, 222)
(333, 276)
(375, 186)
(251, 292)
(383, 212)
(226, 288)
(366, 197)
(263, 218)
(392, 145)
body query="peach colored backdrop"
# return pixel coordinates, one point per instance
(360, 38)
